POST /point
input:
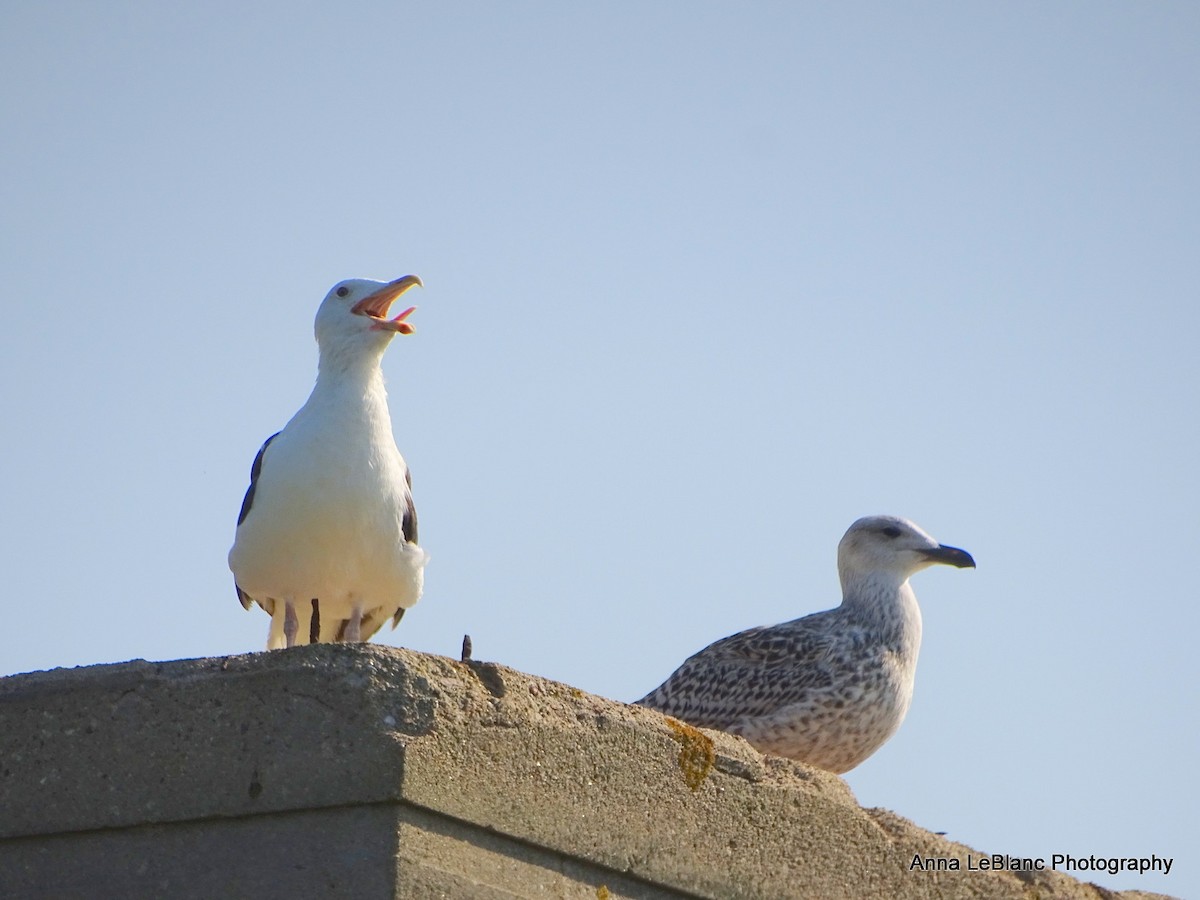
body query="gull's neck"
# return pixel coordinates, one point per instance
(884, 601)
(348, 361)
(350, 387)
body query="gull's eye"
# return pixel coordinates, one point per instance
(892, 531)
(343, 291)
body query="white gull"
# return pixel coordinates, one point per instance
(328, 531)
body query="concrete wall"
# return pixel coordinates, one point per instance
(369, 772)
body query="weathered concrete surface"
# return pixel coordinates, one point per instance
(369, 772)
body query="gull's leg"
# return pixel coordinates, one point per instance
(354, 623)
(291, 624)
(314, 624)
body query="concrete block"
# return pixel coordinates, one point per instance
(367, 771)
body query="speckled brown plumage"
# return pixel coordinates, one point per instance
(830, 688)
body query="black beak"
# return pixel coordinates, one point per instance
(950, 556)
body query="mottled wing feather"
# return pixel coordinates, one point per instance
(749, 674)
(797, 643)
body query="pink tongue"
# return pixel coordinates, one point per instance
(402, 326)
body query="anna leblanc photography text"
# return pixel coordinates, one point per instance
(1064, 862)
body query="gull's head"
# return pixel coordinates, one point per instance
(892, 548)
(353, 317)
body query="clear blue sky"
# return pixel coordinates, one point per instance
(704, 283)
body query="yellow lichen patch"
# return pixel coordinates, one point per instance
(696, 754)
(602, 892)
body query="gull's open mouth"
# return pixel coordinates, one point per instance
(376, 305)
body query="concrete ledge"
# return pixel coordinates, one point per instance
(366, 771)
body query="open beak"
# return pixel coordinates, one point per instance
(376, 305)
(950, 556)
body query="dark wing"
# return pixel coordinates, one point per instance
(255, 471)
(248, 501)
(245, 599)
(410, 530)
(409, 525)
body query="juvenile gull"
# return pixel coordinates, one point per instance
(830, 688)
(327, 533)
